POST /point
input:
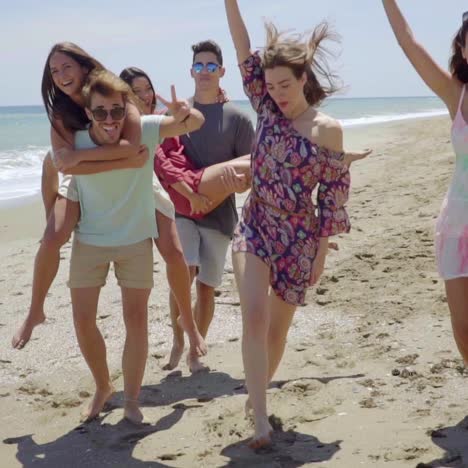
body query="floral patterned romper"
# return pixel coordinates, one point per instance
(279, 222)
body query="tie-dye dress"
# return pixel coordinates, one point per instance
(452, 224)
(280, 223)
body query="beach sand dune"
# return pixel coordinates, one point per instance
(371, 376)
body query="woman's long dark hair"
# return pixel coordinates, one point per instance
(58, 105)
(458, 64)
(130, 73)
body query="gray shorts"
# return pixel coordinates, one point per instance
(204, 248)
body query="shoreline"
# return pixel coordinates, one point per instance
(348, 130)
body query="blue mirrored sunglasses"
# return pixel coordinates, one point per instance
(211, 67)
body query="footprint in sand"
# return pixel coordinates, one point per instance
(407, 360)
(368, 403)
(170, 456)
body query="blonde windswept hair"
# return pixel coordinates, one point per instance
(105, 83)
(303, 53)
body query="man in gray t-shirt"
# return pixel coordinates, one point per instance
(227, 134)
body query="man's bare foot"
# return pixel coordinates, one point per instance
(195, 365)
(176, 354)
(23, 335)
(97, 403)
(132, 411)
(262, 437)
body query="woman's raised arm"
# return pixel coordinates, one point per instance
(239, 34)
(438, 79)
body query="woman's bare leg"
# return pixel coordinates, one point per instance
(281, 315)
(49, 184)
(178, 277)
(60, 225)
(457, 298)
(252, 278)
(211, 184)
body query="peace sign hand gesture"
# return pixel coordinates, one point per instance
(179, 109)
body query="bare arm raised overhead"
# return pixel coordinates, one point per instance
(439, 80)
(239, 34)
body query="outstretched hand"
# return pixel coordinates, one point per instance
(350, 157)
(179, 109)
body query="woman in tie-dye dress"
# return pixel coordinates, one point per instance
(281, 241)
(452, 224)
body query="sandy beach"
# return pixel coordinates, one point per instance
(371, 376)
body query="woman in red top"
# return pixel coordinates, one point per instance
(193, 191)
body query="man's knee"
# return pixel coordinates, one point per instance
(83, 322)
(137, 322)
(205, 290)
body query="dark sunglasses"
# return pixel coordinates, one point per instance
(211, 67)
(116, 113)
(465, 17)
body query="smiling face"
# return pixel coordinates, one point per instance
(207, 80)
(285, 89)
(109, 130)
(143, 89)
(67, 74)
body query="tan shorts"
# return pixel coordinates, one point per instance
(133, 265)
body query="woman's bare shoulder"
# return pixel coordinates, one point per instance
(330, 132)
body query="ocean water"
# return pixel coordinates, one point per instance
(24, 133)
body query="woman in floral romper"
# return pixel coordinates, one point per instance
(281, 240)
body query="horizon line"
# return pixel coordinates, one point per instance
(245, 99)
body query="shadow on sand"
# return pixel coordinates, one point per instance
(99, 444)
(453, 440)
(289, 449)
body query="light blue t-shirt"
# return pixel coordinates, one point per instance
(117, 207)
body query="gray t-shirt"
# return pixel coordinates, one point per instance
(227, 134)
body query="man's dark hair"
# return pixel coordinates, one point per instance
(208, 46)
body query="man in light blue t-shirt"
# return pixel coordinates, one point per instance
(117, 225)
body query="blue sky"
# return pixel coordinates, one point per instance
(156, 35)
